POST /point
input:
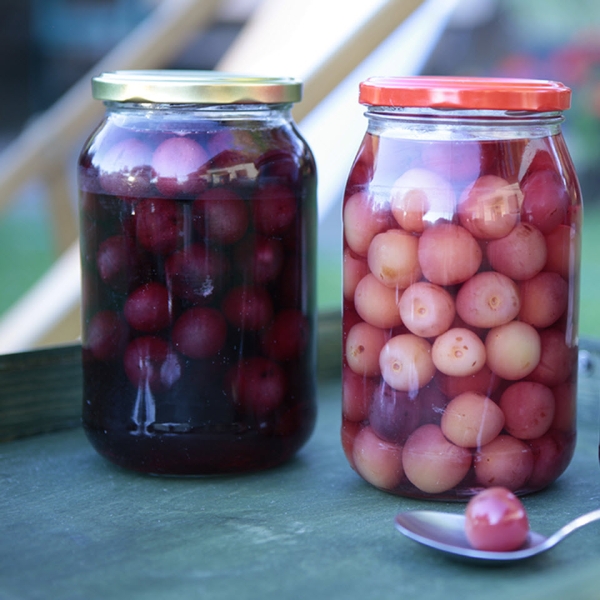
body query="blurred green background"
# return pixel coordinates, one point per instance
(46, 45)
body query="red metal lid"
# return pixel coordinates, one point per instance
(465, 93)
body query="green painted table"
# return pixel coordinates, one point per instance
(73, 526)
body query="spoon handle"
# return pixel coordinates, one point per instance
(572, 526)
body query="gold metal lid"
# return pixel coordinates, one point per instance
(194, 87)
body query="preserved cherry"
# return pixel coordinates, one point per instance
(496, 520)
(198, 275)
(461, 270)
(177, 162)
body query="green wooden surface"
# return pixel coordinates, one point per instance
(39, 391)
(74, 526)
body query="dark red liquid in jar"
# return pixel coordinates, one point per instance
(197, 293)
(459, 318)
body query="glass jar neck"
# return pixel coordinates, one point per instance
(442, 124)
(250, 111)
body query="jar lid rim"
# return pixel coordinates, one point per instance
(491, 93)
(181, 86)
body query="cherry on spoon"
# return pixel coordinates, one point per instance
(446, 532)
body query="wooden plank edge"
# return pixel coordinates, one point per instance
(40, 391)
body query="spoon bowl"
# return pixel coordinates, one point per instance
(446, 532)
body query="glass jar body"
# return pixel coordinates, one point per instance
(198, 287)
(461, 283)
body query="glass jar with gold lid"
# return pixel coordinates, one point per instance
(198, 217)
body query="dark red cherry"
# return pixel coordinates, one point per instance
(287, 336)
(220, 216)
(116, 261)
(273, 208)
(196, 273)
(257, 384)
(178, 163)
(248, 307)
(259, 259)
(106, 335)
(148, 308)
(124, 170)
(200, 332)
(159, 225)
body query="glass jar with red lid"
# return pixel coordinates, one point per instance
(198, 218)
(461, 239)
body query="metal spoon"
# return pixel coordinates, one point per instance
(446, 532)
